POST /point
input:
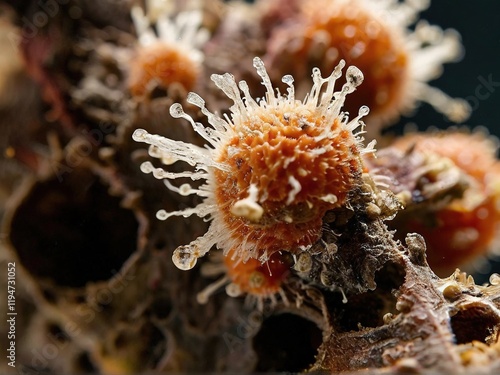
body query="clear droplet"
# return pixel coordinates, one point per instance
(354, 76)
(288, 79)
(266, 81)
(258, 64)
(184, 257)
(363, 111)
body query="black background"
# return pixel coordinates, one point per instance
(478, 22)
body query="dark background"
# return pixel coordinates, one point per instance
(478, 22)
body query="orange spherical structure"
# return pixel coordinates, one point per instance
(361, 38)
(298, 175)
(162, 65)
(458, 231)
(374, 36)
(273, 169)
(457, 236)
(261, 280)
(172, 56)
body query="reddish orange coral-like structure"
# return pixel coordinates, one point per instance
(259, 281)
(272, 170)
(163, 65)
(374, 36)
(460, 230)
(171, 57)
(298, 171)
(257, 278)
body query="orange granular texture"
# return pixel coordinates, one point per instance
(473, 153)
(284, 147)
(458, 236)
(163, 64)
(460, 231)
(258, 278)
(383, 62)
(363, 41)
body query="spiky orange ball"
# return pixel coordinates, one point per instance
(397, 59)
(337, 30)
(272, 169)
(298, 173)
(169, 47)
(161, 64)
(357, 36)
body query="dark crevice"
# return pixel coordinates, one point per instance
(57, 333)
(72, 231)
(84, 364)
(155, 345)
(475, 322)
(366, 310)
(162, 307)
(286, 342)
